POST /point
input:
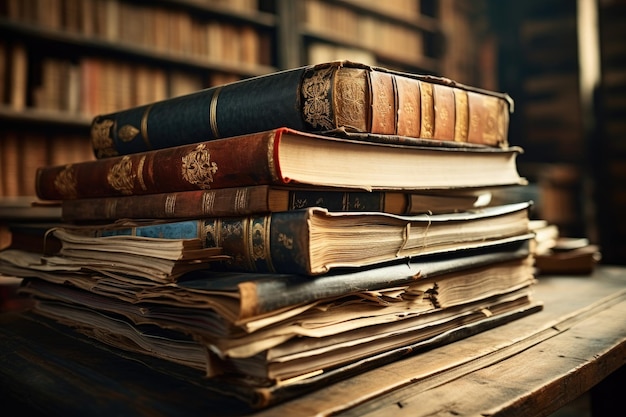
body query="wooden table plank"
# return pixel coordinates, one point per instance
(534, 382)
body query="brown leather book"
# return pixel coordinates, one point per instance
(253, 199)
(283, 157)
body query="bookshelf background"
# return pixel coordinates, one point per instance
(569, 114)
(64, 61)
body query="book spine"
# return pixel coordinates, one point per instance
(318, 98)
(273, 243)
(237, 201)
(245, 160)
(175, 205)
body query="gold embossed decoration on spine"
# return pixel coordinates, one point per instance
(260, 242)
(316, 108)
(489, 119)
(351, 101)
(443, 102)
(66, 182)
(383, 96)
(427, 110)
(101, 139)
(461, 123)
(121, 176)
(127, 133)
(197, 167)
(408, 91)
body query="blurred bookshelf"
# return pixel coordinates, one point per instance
(564, 62)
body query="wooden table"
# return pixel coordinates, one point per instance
(529, 367)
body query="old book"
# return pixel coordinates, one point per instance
(256, 199)
(350, 338)
(312, 241)
(237, 303)
(342, 333)
(316, 98)
(283, 157)
(568, 256)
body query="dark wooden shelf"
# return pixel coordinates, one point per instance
(45, 118)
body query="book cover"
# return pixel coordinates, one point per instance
(283, 157)
(316, 98)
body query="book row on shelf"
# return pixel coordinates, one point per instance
(276, 260)
(161, 27)
(365, 31)
(88, 86)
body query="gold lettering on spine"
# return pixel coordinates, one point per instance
(427, 110)
(66, 182)
(121, 176)
(208, 200)
(213, 113)
(316, 108)
(351, 99)
(461, 124)
(197, 167)
(101, 138)
(170, 205)
(144, 127)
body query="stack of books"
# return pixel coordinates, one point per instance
(272, 235)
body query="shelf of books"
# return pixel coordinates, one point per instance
(64, 61)
(367, 32)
